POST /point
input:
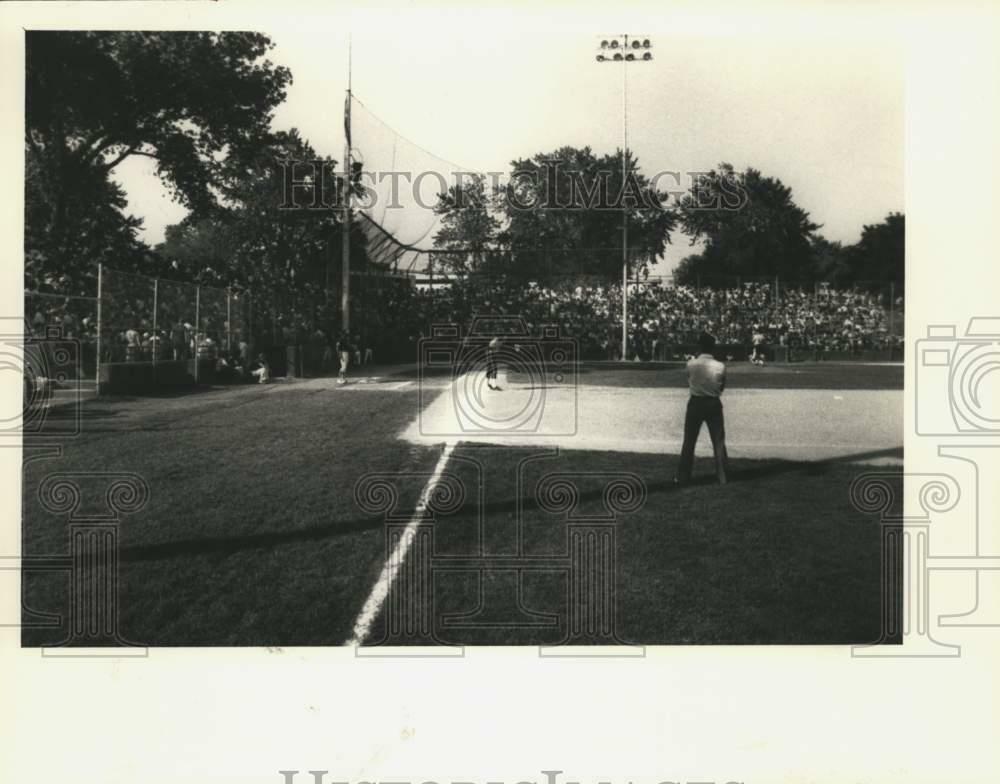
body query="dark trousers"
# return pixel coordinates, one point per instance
(709, 411)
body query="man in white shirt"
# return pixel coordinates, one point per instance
(491, 364)
(758, 340)
(706, 381)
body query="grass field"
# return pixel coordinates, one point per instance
(253, 534)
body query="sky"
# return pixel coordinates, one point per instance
(822, 113)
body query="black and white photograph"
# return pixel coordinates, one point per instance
(411, 335)
(610, 382)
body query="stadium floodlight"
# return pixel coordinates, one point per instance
(634, 43)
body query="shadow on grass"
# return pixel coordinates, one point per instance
(766, 471)
(224, 546)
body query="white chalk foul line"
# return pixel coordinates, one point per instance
(380, 591)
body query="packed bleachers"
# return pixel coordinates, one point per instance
(390, 314)
(664, 319)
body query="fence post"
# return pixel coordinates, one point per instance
(97, 366)
(197, 328)
(155, 341)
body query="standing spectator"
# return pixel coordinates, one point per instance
(244, 352)
(344, 354)
(356, 348)
(69, 323)
(262, 370)
(317, 346)
(132, 345)
(367, 356)
(327, 363)
(178, 341)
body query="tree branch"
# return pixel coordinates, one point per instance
(109, 166)
(130, 151)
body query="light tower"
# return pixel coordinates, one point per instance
(625, 49)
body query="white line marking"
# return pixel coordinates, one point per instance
(380, 591)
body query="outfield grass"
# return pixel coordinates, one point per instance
(743, 375)
(252, 535)
(778, 555)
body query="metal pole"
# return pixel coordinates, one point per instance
(345, 288)
(97, 366)
(229, 320)
(155, 340)
(624, 212)
(197, 329)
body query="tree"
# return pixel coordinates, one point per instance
(880, 255)
(94, 99)
(469, 230)
(750, 225)
(266, 237)
(102, 233)
(688, 271)
(563, 215)
(830, 262)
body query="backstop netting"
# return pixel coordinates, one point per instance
(402, 181)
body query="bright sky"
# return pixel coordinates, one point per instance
(823, 113)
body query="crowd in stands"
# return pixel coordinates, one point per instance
(393, 315)
(664, 319)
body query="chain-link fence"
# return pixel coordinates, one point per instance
(155, 320)
(71, 318)
(135, 320)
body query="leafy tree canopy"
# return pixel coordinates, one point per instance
(559, 214)
(93, 99)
